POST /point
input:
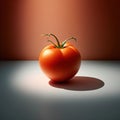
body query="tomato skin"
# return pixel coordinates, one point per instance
(60, 64)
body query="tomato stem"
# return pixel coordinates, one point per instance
(52, 43)
(64, 42)
(58, 43)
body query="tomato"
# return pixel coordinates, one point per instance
(60, 62)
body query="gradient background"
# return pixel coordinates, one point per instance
(96, 24)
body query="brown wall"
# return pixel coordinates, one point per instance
(96, 24)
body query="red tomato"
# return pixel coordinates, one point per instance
(60, 63)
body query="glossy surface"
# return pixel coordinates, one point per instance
(60, 64)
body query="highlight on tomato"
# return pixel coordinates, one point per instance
(60, 61)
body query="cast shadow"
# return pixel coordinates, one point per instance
(79, 83)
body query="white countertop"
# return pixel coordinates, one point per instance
(27, 94)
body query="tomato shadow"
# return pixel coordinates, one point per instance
(79, 83)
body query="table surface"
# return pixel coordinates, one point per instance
(27, 94)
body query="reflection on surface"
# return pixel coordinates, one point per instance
(80, 84)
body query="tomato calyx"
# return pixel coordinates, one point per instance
(58, 45)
